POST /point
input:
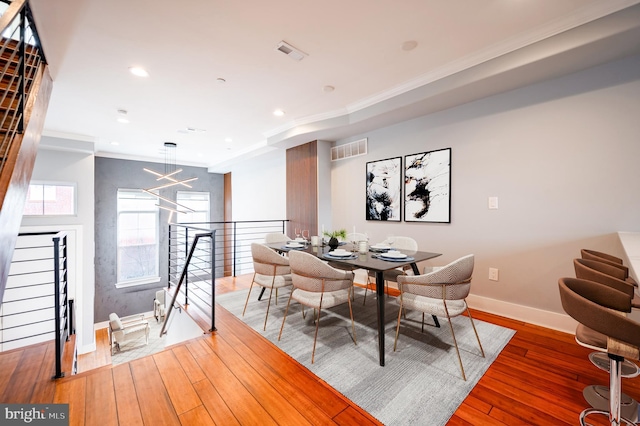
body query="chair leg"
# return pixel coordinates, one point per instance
(285, 315)
(268, 305)
(475, 331)
(315, 336)
(615, 396)
(395, 342)
(249, 294)
(353, 327)
(457, 350)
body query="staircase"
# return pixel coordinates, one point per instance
(26, 86)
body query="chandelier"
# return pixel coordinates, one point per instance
(170, 171)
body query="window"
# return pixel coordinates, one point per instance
(198, 201)
(50, 199)
(137, 260)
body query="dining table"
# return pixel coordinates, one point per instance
(374, 261)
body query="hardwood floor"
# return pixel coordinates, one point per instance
(234, 376)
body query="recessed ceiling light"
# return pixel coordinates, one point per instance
(138, 71)
(278, 113)
(228, 140)
(409, 45)
(328, 89)
(115, 143)
(220, 80)
(122, 116)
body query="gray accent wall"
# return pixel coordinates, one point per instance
(110, 175)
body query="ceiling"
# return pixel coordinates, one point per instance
(465, 50)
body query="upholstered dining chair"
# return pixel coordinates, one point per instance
(126, 329)
(352, 237)
(606, 274)
(271, 271)
(399, 243)
(319, 286)
(598, 309)
(276, 237)
(441, 293)
(621, 271)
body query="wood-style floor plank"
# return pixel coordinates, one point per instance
(73, 392)
(126, 397)
(196, 416)
(183, 396)
(155, 404)
(101, 399)
(240, 401)
(25, 375)
(215, 404)
(236, 377)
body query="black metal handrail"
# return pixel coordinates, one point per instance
(202, 286)
(21, 58)
(201, 252)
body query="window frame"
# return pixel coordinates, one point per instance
(149, 279)
(55, 184)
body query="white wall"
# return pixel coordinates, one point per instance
(562, 156)
(78, 167)
(258, 187)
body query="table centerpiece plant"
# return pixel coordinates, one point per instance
(333, 237)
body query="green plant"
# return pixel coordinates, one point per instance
(341, 233)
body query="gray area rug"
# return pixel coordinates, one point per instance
(420, 384)
(137, 348)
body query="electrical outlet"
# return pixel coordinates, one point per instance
(493, 203)
(493, 274)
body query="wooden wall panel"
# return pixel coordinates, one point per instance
(228, 217)
(302, 188)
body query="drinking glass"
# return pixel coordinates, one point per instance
(298, 232)
(390, 240)
(305, 235)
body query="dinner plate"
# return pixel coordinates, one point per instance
(380, 247)
(332, 256)
(393, 255)
(340, 253)
(294, 245)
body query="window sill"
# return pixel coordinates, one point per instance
(135, 283)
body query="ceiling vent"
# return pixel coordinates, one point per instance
(350, 149)
(290, 51)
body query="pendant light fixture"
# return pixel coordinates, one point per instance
(168, 180)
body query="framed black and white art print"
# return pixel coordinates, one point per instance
(427, 186)
(384, 186)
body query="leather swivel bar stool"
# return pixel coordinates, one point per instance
(599, 310)
(620, 271)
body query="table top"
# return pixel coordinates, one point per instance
(369, 260)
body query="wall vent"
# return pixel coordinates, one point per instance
(290, 51)
(351, 149)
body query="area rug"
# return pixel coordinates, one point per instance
(137, 348)
(420, 383)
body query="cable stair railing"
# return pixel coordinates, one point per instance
(196, 270)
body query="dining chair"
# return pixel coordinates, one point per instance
(602, 326)
(611, 260)
(318, 285)
(271, 270)
(397, 243)
(352, 237)
(441, 293)
(276, 237)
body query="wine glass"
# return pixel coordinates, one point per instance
(390, 240)
(298, 232)
(305, 235)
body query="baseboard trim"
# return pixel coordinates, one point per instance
(548, 319)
